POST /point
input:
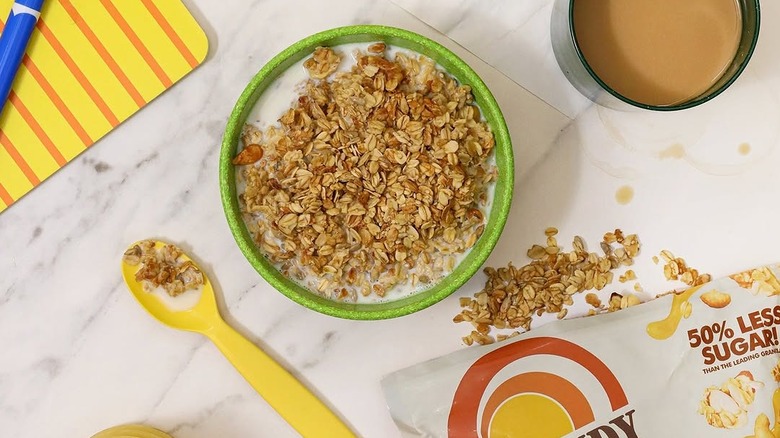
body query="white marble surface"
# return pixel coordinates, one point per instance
(79, 355)
(513, 36)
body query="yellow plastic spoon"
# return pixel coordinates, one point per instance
(131, 431)
(293, 401)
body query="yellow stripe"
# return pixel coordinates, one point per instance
(48, 116)
(185, 26)
(107, 100)
(88, 60)
(120, 48)
(71, 92)
(27, 143)
(11, 177)
(153, 37)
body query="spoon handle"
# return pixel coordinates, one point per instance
(288, 396)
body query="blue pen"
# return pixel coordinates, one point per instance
(13, 41)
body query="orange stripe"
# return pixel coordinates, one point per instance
(55, 98)
(174, 37)
(5, 196)
(139, 45)
(36, 128)
(57, 101)
(462, 420)
(25, 168)
(101, 50)
(77, 73)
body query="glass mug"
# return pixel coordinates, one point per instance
(576, 69)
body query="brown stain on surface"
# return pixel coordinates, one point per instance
(674, 151)
(624, 195)
(744, 148)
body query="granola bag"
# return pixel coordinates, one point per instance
(701, 363)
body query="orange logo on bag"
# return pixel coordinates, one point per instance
(534, 403)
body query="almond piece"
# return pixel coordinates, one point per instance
(249, 155)
(716, 299)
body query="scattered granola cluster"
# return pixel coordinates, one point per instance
(675, 268)
(512, 295)
(765, 282)
(162, 267)
(376, 177)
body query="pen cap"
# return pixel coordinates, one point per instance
(32, 4)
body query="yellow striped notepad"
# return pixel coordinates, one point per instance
(90, 64)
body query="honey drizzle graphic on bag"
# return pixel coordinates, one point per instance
(719, 342)
(666, 327)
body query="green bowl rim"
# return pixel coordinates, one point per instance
(468, 267)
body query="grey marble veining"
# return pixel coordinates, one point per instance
(512, 36)
(79, 355)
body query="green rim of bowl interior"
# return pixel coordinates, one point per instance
(456, 67)
(742, 59)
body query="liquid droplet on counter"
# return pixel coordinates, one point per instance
(624, 195)
(674, 151)
(744, 148)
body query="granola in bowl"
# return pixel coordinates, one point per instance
(360, 178)
(375, 182)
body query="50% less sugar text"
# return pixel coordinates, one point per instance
(719, 344)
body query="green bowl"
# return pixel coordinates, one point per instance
(453, 65)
